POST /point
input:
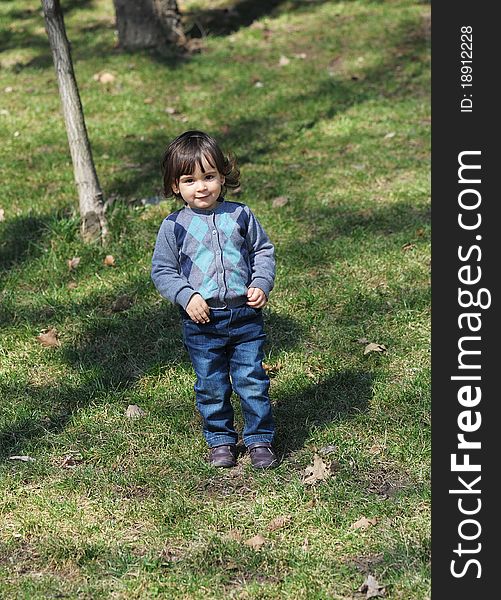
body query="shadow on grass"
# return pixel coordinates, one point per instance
(114, 350)
(316, 405)
(18, 239)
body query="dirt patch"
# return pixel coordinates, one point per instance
(387, 482)
(365, 563)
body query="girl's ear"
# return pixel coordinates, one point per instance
(175, 188)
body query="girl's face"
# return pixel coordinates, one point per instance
(202, 188)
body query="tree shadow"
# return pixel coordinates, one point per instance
(115, 351)
(228, 20)
(332, 399)
(19, 236)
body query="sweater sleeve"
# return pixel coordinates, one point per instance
(262, 256)
(165, 269)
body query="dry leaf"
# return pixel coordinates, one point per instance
(71, 460)
(375, 449)
(2, 215)
(72, 285)
(305, 545)
(317, 472)
(374, 348)
(327, 450)
(408, 246)
(259, 84)
(170, 110)
(73, 262)
(371, 587)
(123, 302)
(363, 523)
(280, 201)
(301, 55)
(279, 522)
(109, 261)
(235, 535)
(134, 411)
(255, 542)
(284, 61)
(49, 338)
(389, 135)
(104, 77)
(272, 370)
(22, 458)
(363, 340)
(148, 100)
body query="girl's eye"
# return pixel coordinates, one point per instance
(188, 181)
(210, 177)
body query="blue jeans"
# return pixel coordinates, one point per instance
(230, 346)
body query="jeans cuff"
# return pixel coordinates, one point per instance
(254, 439)
(221, 440)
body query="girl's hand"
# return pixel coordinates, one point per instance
(257, 298)
(198, 309)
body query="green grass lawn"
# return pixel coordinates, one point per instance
(113, 507)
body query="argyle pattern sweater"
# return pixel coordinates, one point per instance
(218, 253)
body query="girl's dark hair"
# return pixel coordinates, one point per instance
(186, 151)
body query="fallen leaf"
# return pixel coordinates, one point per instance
(259, 84)
(170, 110)
(363, 523)
(123, 302)
(284, 61)
(420, 232)
(148, 101)
(71, 460)
(104, 77)
(327, 450)
(73, 262)
(408, 246)
(255, 542)
(305, 545)
(389, 135)
(2, 215)
(72, 285)
(301, 55)
(235, 535)
(363, 340)
(279, 522)
(272, 370)
(371, 587)
(22, 458)
(134, 411)
(316, 472)
(49, 338)
(374, 348)
(109, 260)
(280, 201)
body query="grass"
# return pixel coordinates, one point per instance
(120, 508)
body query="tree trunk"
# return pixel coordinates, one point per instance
(93, 224)
(149, 24)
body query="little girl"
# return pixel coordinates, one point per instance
(214, 260)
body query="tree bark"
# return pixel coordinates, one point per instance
(145, 24)
(93, 223)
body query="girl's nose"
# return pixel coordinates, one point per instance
(202, 185)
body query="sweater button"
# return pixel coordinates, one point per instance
(214, 232)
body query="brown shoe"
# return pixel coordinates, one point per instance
(223, 456)
(262, 456)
